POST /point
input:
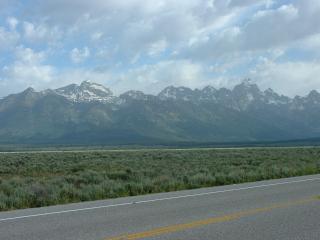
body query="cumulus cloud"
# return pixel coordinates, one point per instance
(8, 39)
(79, 55)
(268, 28)
(238, 3)
(157, 47)
(41, 33)
(147, 45)
(149, 78)
(136, 26)
(310, 45)
(96, 36)
(12, 22)
(155, 77)
(27, 70)
(289, 78)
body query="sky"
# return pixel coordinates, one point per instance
(148, 45)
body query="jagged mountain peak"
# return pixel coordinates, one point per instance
(313, 97)
(209, 89)
(180, 93)
(134, 94)
(270, 91)
(176, 89)
(242, 96)
(271, 97)
(314, 94)
(208, 93)
(25, 98)
(29, 93)
(247, 82)
(29, 90)
(87, 91)
(247, 86)
(176, 114)
(95, 86)
(87, 82)
(245, 93)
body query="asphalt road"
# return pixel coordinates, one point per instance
(152, 149)
(277, 209)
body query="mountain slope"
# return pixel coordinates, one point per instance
(89, 113)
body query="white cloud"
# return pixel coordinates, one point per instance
(155, 77)
(289, 78)
(29, 56)
(310, 44)
(157, 47)
(147, 45)
(41, 33)
(137, 26)
(148, 78)
(8, 39)
(239, 3)
(12, 22)
(96, 36)
(268, 28)
(27, 70)
(31, 32)
(79, 55)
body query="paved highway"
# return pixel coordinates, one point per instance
(151, 149)
(277, 209)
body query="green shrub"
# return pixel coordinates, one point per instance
(42, 179)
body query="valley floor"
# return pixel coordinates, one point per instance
(36, 179)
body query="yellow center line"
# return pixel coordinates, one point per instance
(213, 220)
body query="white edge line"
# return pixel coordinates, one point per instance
(156, 149)
(159, 199)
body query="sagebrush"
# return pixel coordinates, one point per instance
(42, 179)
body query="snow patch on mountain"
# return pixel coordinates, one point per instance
(242, 97)
(86, 92)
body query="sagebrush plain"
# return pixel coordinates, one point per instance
(38, 179)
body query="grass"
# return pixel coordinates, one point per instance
(42, 179)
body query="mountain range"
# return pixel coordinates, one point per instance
(90, 113)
